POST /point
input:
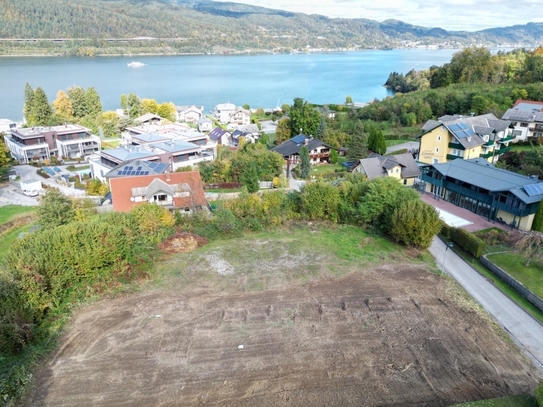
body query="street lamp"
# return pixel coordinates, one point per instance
(448, 246)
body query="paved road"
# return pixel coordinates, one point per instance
(409, 145)
(526, 331)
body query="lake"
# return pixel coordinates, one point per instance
(265, 80)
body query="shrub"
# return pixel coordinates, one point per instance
(470, 242)
(539, 394)
(153, 221)
(319, 200)
(414, 223)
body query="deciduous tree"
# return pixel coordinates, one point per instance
(303, 118)
(55, 209)
(63, 106)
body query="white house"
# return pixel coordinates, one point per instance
(526, 117)
(189, 114)
(223, 112)
(240, 117)
(205, 124)
(6, 125)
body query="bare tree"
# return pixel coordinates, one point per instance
(529, 244)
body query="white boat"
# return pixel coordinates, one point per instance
(135, 64)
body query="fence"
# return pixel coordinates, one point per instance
(518, 286)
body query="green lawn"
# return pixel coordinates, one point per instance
(502, 286)
(11, 236)
(11, 212)
(325, 169)
(518, 148)
(531, 276)
(512, 401)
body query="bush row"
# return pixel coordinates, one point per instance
(464, 239)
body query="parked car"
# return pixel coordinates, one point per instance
(30, 192)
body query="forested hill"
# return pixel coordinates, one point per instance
(207, 26)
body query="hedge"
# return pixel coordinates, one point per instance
(468, 241)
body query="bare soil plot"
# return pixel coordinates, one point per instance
(393, 335)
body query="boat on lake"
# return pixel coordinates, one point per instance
(135, 64)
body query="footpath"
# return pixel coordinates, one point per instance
(523, 329)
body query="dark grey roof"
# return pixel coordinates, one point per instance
(499, 125)
(483, 130)
(481, 173)
(294, 145)
(137, 167)
(376, 166)
(430, 125)
(217, 133)
(523, 115)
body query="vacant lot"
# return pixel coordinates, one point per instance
(306, 316)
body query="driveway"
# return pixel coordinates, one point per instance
(27, 172)
(523, 329)
(409, 145)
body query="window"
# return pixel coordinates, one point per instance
(437, 149)
(438, 138)
(436, 161)
(523, 124)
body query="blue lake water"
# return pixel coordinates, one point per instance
(260, 80)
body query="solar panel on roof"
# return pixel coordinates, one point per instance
(298, 139)
(139, 168)
(145, 173)
(534, 189)
(454, 127)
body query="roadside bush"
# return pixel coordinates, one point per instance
(414, 223)
(470, 242)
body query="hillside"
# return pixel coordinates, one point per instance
(207, 26)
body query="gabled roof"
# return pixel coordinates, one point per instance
(482, 174)
(137, 168)
(217, 133)
(198, 109)
(241, 110)
(376, 166)
(146, 117)
(205, 120)
(294, 145)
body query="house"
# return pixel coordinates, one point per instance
(251, 129)
(453, 137)
(319, 152)
(182, 191)
(236, 134)
(223, 112)
(189, 114)
(149, 118)
(220, 136)
(40, 143)
(526, 117)
(205, 124)
(240, 117)
(401, 166)
(6, 125)
(480, 187)
(174, 153)
(150, 133)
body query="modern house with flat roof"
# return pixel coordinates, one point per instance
(453, 137)
(40, 143)
(174, 153)
(480, 187)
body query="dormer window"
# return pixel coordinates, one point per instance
(485, 138)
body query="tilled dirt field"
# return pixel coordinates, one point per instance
(390, 336)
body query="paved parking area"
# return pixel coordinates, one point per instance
(476, 222)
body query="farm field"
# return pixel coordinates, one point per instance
(303, 316)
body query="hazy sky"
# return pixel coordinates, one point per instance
(457, 15)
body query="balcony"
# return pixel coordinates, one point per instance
(489, 143)
(456, 146)
(504, 150)
(487, 155)
(506, 139)
(453, 157)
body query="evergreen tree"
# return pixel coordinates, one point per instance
(124, 103)
(29, 100)
(376, 141)
(41, 112)
(321, 129)
(79, 101)
(537, 224)
(250, 179)
(134, 106)
(305, 163)
(92, 102)
(357, 147)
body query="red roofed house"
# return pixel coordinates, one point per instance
(177, 190)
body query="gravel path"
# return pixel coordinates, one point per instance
(525, 331)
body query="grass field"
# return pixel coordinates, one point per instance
(531, 276)
(513, 401)
(325, 169)
(10, 212)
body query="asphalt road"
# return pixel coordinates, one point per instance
(409, 145)
(525, 331)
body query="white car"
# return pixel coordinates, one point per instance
(30, 192)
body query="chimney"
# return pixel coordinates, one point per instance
(306, 142)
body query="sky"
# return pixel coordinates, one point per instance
(452, 15)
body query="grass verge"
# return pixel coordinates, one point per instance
(10, 212)
(531, 276)
(512, 401)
